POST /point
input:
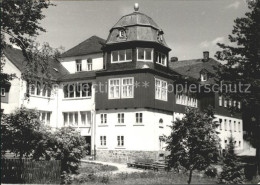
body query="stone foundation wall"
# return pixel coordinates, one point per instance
(124, 156)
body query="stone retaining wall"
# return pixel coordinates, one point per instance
(124, 156)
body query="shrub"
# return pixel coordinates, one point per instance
(69, 147)
(105, 179)
(21, 131)
(65, 144)
(66, 178)
(211, 172)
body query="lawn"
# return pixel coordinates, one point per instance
(160, 177)
(92, 168)
(98, 174)
(91, 173)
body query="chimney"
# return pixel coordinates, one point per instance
(174, 59)
(205, 55)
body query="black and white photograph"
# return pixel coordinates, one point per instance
(130, 92)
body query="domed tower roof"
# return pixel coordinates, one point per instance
(136, 18)
(136, 27)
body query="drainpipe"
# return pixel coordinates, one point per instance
(93, 128)
(95, 131)
(57, 110)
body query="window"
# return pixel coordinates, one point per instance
(160, 37)
(127, 87)
(120, 141)
(70, 118)
(121, 88)
(114, 88)
(45, 117)
(230, 103)
(235, 126)
(46, 91)
(204, 77)
(186, 100)
(225, 103)
(220, 100)
(32, 88)
(239, 144)
(122, 34)
(220, 124)
(234, 103)
(239, 105)
(121, 56)
(128, 53)
(160, 58)
(239, 127)
(103, 118)
(160, 90)
(86, 89)
(160, 142)
(139, 117)
(2, 91)
(39, 89)
(85, 118)
(230, 126)
(120, 117)
(77, 90)
(78, 65)
(225, 124)
(145, 54)
(89, 64)
(161, 121)
(103, 140)
(65, 119)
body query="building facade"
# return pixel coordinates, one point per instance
(121, 93)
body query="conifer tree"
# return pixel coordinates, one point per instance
(233, 172)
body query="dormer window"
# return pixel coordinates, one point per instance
(203, 77)
(78, 65)
(122, 34)
(2, 91)
(89, 64)
(160, 36)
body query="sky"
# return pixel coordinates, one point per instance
(190, 26)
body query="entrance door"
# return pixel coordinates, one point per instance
(88, 141)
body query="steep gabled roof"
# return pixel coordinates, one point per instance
(192, 68)
(90, 46)
(16, 57)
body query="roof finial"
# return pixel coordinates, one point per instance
(136, 7)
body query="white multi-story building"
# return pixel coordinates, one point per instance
(126, 100)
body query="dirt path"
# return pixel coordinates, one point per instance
(122, 168)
